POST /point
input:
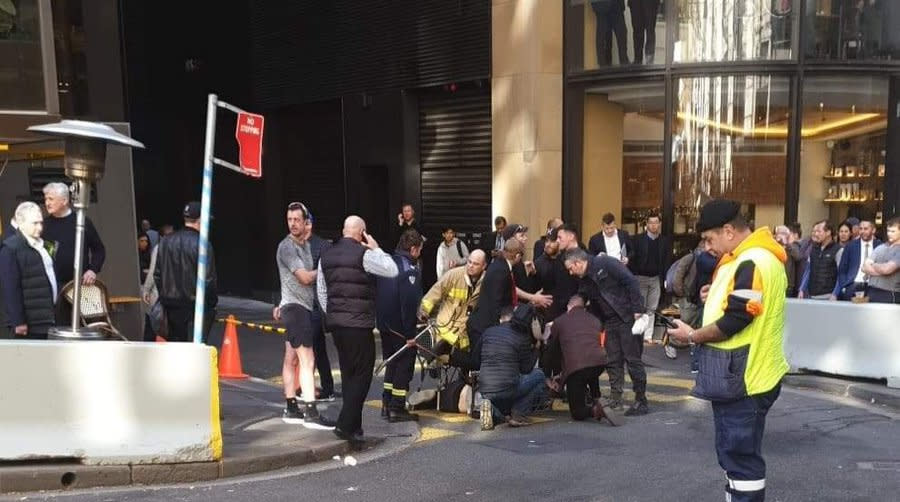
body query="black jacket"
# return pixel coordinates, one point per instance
(488, 244)
(496, 293)
(639, 262)
(821, 272)
(27, 292)
(351, 290)
(555, 280)
(62, 231)
(397, 299)
(597, 245)
(505, 354)
(176, 270)
(607, 279)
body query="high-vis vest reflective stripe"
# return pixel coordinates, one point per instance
(766, 364)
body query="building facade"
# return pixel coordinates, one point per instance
(789, 106)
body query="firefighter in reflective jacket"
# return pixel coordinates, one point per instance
(455, 294)
(741, 361)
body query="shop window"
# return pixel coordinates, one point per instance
(852, 29)
(623, 154)
(733, 30)
(730, 141)
(21, 60)
(843, 154)
(619, 33)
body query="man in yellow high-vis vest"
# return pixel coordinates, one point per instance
(739, 347)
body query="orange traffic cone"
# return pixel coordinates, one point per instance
(230, 360)
(160, 339)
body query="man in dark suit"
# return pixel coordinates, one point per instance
(497, 291)
(611, 240)
(492, 242)
(851, 278)
(615, 298)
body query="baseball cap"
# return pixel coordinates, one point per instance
(513, 229)
(192, 210)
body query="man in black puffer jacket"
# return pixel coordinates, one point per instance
(512, 387)
(29, 283)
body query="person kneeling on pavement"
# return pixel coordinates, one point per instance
(510, 384)
(574, 352)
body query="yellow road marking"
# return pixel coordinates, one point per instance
(432, 433)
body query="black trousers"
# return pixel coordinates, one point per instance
(320, 349)
(624, 348)
(356, 357)
(610, 20)
(399, 372)
(582, 387)
(643, 28)
(180, 321)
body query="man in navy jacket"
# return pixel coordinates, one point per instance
(615, 298)
(397, 302)
(850, 277)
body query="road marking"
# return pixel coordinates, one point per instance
(432, 433)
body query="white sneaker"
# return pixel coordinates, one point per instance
(640, 325)
(487, 415)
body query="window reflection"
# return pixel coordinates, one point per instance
(852, 29)
(733, 30)
(843, 157)
(21, 62)
(730, 141)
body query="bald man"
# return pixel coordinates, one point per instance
(346, 293)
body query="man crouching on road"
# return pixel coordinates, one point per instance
(512, 387)
(574, 351)
(739, 347)
(298, 279)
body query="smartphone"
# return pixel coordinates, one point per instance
(668, 320)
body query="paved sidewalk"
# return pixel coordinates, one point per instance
(255, 440)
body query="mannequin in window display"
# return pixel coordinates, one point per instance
(643, 29)
(610, 19)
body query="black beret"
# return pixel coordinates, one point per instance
(716, 213)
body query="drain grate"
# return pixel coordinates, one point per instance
(879, 466)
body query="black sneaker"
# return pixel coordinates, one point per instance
(638, 408)
(292, 416)
(312, 419)
(401, 415)
(356, 439)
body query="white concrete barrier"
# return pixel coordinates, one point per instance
(109, 402)
(844, 338)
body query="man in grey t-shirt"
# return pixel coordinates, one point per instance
(883, 267)
(298, 279)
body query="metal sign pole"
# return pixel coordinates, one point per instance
(205, 203)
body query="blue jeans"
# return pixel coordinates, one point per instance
(739, 432)
(522, 399)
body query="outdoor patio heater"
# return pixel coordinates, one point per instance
(85, 163)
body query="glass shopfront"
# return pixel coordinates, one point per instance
(742, 99)
(21, 57)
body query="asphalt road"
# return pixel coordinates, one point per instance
(818, 448)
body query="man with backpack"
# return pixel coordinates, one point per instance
(451, 253)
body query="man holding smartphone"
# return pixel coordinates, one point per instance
(346, 294)
(739, 347)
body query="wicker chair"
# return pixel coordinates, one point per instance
(94, 307)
